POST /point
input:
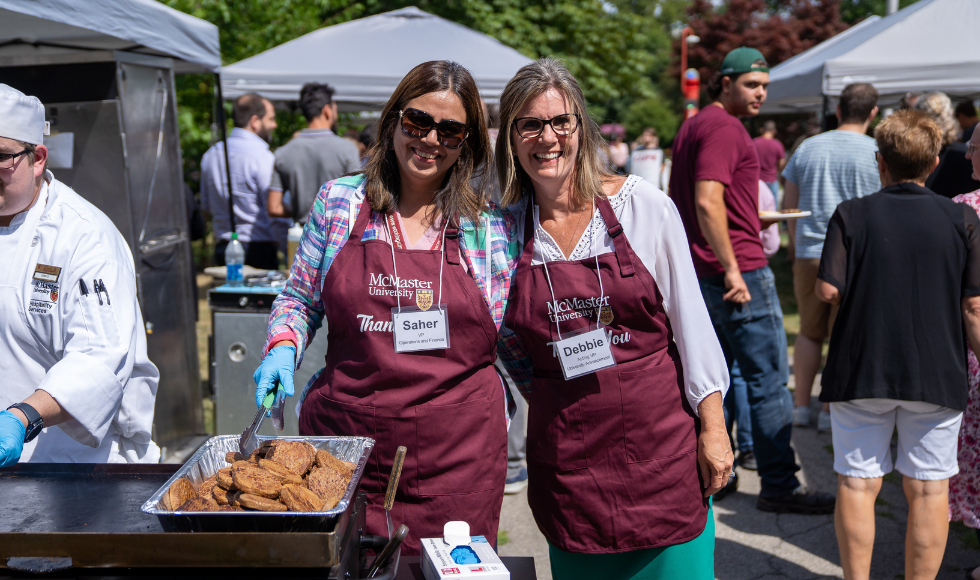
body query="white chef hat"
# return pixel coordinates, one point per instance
(21, 117)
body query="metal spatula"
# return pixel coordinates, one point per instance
(248, 441)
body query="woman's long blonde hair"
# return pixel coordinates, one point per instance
(457, 197)
(531, 81)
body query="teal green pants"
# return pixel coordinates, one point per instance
(693, 560)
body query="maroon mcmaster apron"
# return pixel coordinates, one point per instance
(612, 456)
(446, 406)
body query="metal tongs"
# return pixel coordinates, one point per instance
(272, 404)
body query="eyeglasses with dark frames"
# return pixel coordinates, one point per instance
(416, 123)
(7, 159)
(531, 127)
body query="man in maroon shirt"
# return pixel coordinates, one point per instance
(772, 156)
(715, 185)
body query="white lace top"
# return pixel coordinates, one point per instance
(655, 231)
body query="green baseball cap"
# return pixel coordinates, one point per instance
(743, 60)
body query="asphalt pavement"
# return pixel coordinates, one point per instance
(754, 545)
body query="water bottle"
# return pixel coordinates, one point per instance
(292, 245)
(235, 261)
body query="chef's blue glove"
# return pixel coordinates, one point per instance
(12, 434)
(277, 366)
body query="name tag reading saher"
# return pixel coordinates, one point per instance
(585, 353)
(416, 329)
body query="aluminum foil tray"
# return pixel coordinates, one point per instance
(207, 460)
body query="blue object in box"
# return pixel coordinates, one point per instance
(464, 555)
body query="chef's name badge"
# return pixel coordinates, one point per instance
(45, 273)
(415, 329)
(584, 353)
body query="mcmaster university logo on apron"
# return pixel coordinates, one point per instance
(423, 298)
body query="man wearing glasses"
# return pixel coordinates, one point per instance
(77, 385)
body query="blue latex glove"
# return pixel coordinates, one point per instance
(464, 555)
(277, 366)
(12, 433)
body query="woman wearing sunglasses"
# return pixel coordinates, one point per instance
(626, 434)
(409, 269)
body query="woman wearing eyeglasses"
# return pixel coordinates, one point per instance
(409, 269)
(626, 434)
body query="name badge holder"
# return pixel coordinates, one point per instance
(417, 329)
(586, 350)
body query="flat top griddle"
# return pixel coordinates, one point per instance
(79, 497)
(89, 515)
(93, 511)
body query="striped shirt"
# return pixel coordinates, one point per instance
(829, 168)
(298, 312)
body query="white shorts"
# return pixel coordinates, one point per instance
(927, 434)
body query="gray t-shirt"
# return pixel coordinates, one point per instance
(309, 160)
(829, 168)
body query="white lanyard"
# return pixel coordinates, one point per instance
(585, 351)
(547, 274)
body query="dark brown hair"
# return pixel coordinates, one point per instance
(716, 81)
(456, 198)
(909, 141)
(313, 97)
(247, 106)
(857, 100)
(966, 109)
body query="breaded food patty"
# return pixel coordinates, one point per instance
(260, 503)
(253, 480)
(300, 499)
(296, 456)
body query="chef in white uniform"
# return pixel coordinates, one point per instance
(75, 382)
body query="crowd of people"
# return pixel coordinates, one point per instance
(578, 249)
(591, 250)
(640, 328)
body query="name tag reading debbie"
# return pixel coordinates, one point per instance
(416, 329)
(585, 353)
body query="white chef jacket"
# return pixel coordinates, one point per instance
(655, 232)
(90, 357)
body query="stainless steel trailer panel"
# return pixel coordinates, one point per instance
(126, 160)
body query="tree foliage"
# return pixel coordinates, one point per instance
(606, 49)
(852, 11)
(657, 113)
(623, 52)
(779, 32)
(601, 47)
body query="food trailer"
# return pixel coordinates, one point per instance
(106, 79)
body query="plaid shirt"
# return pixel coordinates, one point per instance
(298, 312)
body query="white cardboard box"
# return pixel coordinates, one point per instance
(438, 564)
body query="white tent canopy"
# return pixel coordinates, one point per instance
(928, 46)
(364, 60)
(52, 27)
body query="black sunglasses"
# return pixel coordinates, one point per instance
(418, 124)
(531, 127)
